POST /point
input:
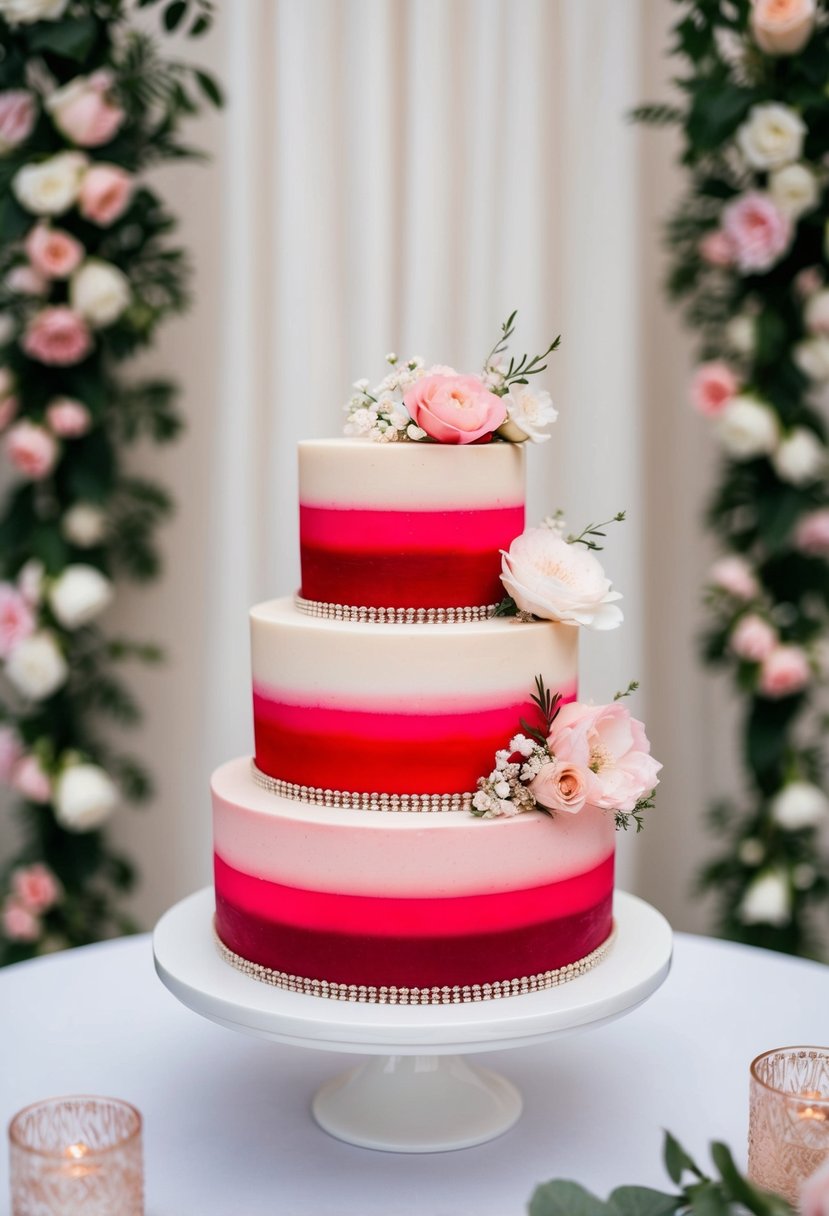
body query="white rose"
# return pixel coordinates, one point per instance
(768, 900)
(747, 428)
(772, 136)
(99, 291)
(528, 413)
(78, 595)
(84, 797)
(84, 525)
(36, 667)
(800, 458)
(740, 334)
(812, 357)
(558, 582)
(51, 186)
(794, 189)
(816, 313)
(799, 805)
(26, 12)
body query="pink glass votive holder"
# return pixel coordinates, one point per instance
(788, 1129)
(76, 1156)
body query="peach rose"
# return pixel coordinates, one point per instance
(812, 533)
(454, 409)
(717, 249)
(559, 787)
(19, 924)
(31, 780)
(712, 387)
(782, 27)
(753, 638)
(17, 621)
(17, 118)
(784, 672)
(610, 748)
(53, 252)
(759, 231)
(82, 111)
(36, 887)
(31, 449)
(67, 418)
(58, 337)
(106, 191)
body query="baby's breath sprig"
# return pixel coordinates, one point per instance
(586, 536)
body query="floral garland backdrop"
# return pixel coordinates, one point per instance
(87, 273)
(749, 246)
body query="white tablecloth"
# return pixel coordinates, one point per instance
(227, 1127)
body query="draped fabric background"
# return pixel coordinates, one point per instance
(401, 174)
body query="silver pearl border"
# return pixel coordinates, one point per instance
(394, 616)
(368, 994)
(350, 800)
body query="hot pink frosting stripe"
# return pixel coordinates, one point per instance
(363, 529)
(379, 917)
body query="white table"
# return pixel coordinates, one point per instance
(227, 1128)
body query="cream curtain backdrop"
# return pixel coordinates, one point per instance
(400, 174)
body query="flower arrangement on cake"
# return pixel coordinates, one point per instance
(749, 252)
(87, 274)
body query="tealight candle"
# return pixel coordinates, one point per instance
(78, 1156)
(788, 1118)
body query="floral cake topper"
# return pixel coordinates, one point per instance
(420, 404)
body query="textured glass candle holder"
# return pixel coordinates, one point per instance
(78, 1156)
(788, 1131)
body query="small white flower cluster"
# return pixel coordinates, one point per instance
(379, 413)
(504, 792)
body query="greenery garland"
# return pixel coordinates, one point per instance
(749, 246)
(87, 274)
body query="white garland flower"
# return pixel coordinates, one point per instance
(558, 581)
(79, 594)
(741, 334)
(51, 186)
(84, 525)
(794, 189)
(800, 458)
(812, 357)
(36, 667)
(26, 12)
(772, 136)
(767, 901)
(100, 292)
(799, 805)
(528, 413)
(816, 313)
(747, 428)
(84, 797)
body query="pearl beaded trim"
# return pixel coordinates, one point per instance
(352, 801)
(391, 995)
(394, 616)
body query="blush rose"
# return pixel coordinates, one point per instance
(713, 385)
(106, 191)
(67, 418)
(17, 118)
(31, 449)
(454, 409)
(611, 748)
(782, 27)
(560, 787)
(758, 230)
(785, 671)
(53, 252)
(58, 337)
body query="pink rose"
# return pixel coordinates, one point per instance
(814, 1194)
(734, 575)
(31, 449)
(106, 191)
(57, 336)
(782, 27)
(808, 281)
(611, 750)
(559, 787)
(812, 533)
(753, 638)
(82, 112)
(784, 672)
(68, 418)
(10, 752)
(26, 281)
(19, 924)
(31, 780)
(8, 410)
(759, 231)
(712, 387)
(17, 118)
(36, 887)
(717, 249)
(17, 621)
(53, 252)
(454, 409)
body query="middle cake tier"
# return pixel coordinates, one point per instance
(372, 709)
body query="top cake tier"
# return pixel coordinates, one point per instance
(409, 526)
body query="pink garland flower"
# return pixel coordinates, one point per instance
(712, 387)
(31, 449)
(67, 418)
(812, 533)
(82, 111)
(454, 409)
(17, 621)
(19, 924)
(53, 252)
(57, 337)
(36, 887)
(782, 27)
(610, 748)
(734, 575)
(753, 638)
(717, 249)
(31, 780)
(785, 671)
(758, 230)
(106, 192)
(17, 118)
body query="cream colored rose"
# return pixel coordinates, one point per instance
(771, 136)
(747, 428)
(816, 313)
(37, 667)
(794, 189)
(79, 594)
(51, 186)
(768, 901)
(812, 357)
(799, 805)
(100, 292)
(84, 525)
(84, 797)
(740, 334)
(782, 27)
(800, 458)
(558, 582)
(529, 413)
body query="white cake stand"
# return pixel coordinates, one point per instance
(415, 1093)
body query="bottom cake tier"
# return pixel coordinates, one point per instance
(406, 906)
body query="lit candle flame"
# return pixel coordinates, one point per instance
(76, 1151)
(820, 1114)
